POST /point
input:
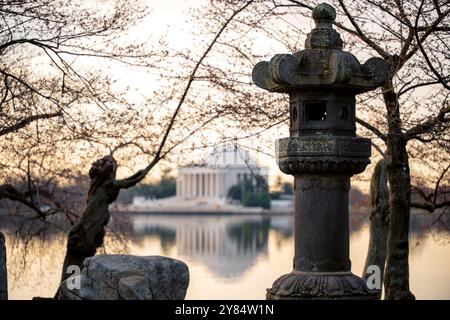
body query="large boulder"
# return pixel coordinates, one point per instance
(126, 277)
(3, 272)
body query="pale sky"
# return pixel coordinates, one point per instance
(170, 18)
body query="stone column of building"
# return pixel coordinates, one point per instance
(3, 271)
(197, 184)
(322, 153)
(217, 183)
(186, 185)
(214, 189)
(192, 184)
(221, 184)
(214, 181)
(211, 185)
(208, 190)
(225, 184)
(179, 190)
(205, 185)
(202, 184)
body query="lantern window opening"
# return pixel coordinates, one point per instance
(316, 111)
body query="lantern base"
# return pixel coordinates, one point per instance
(320, 286)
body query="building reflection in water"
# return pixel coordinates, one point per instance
(235, 257)
(227, 245)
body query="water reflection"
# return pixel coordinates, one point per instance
(231, 248)
(235, 257)
(227, 245)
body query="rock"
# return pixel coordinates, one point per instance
(3, 271)
(134, 288)
(126, 277)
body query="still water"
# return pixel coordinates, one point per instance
(229, 257)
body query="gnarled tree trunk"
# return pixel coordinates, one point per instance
(397, 265)
(87, 235)
(379, 221)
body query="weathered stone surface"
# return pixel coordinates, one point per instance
(115, 277)
(323, 145)
(134, 288)
(322, 153)
(3, 271)
(320, 286)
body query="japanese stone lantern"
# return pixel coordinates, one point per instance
(322, 153)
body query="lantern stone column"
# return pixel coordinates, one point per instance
(322, 153)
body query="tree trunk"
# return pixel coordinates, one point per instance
(81, 245)
(87, 236)
(379, 221)
(397, 266)
(3, 270)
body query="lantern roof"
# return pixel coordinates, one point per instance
(322, 64)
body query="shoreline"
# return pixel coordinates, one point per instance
(209, 212)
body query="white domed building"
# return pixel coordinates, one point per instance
(227, 165)
(203, 187)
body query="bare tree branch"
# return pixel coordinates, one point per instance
(440, 78)
(361, 34)
(370, 127)
(192, 76)
(24, 122)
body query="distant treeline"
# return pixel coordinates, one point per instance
(165, 187)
